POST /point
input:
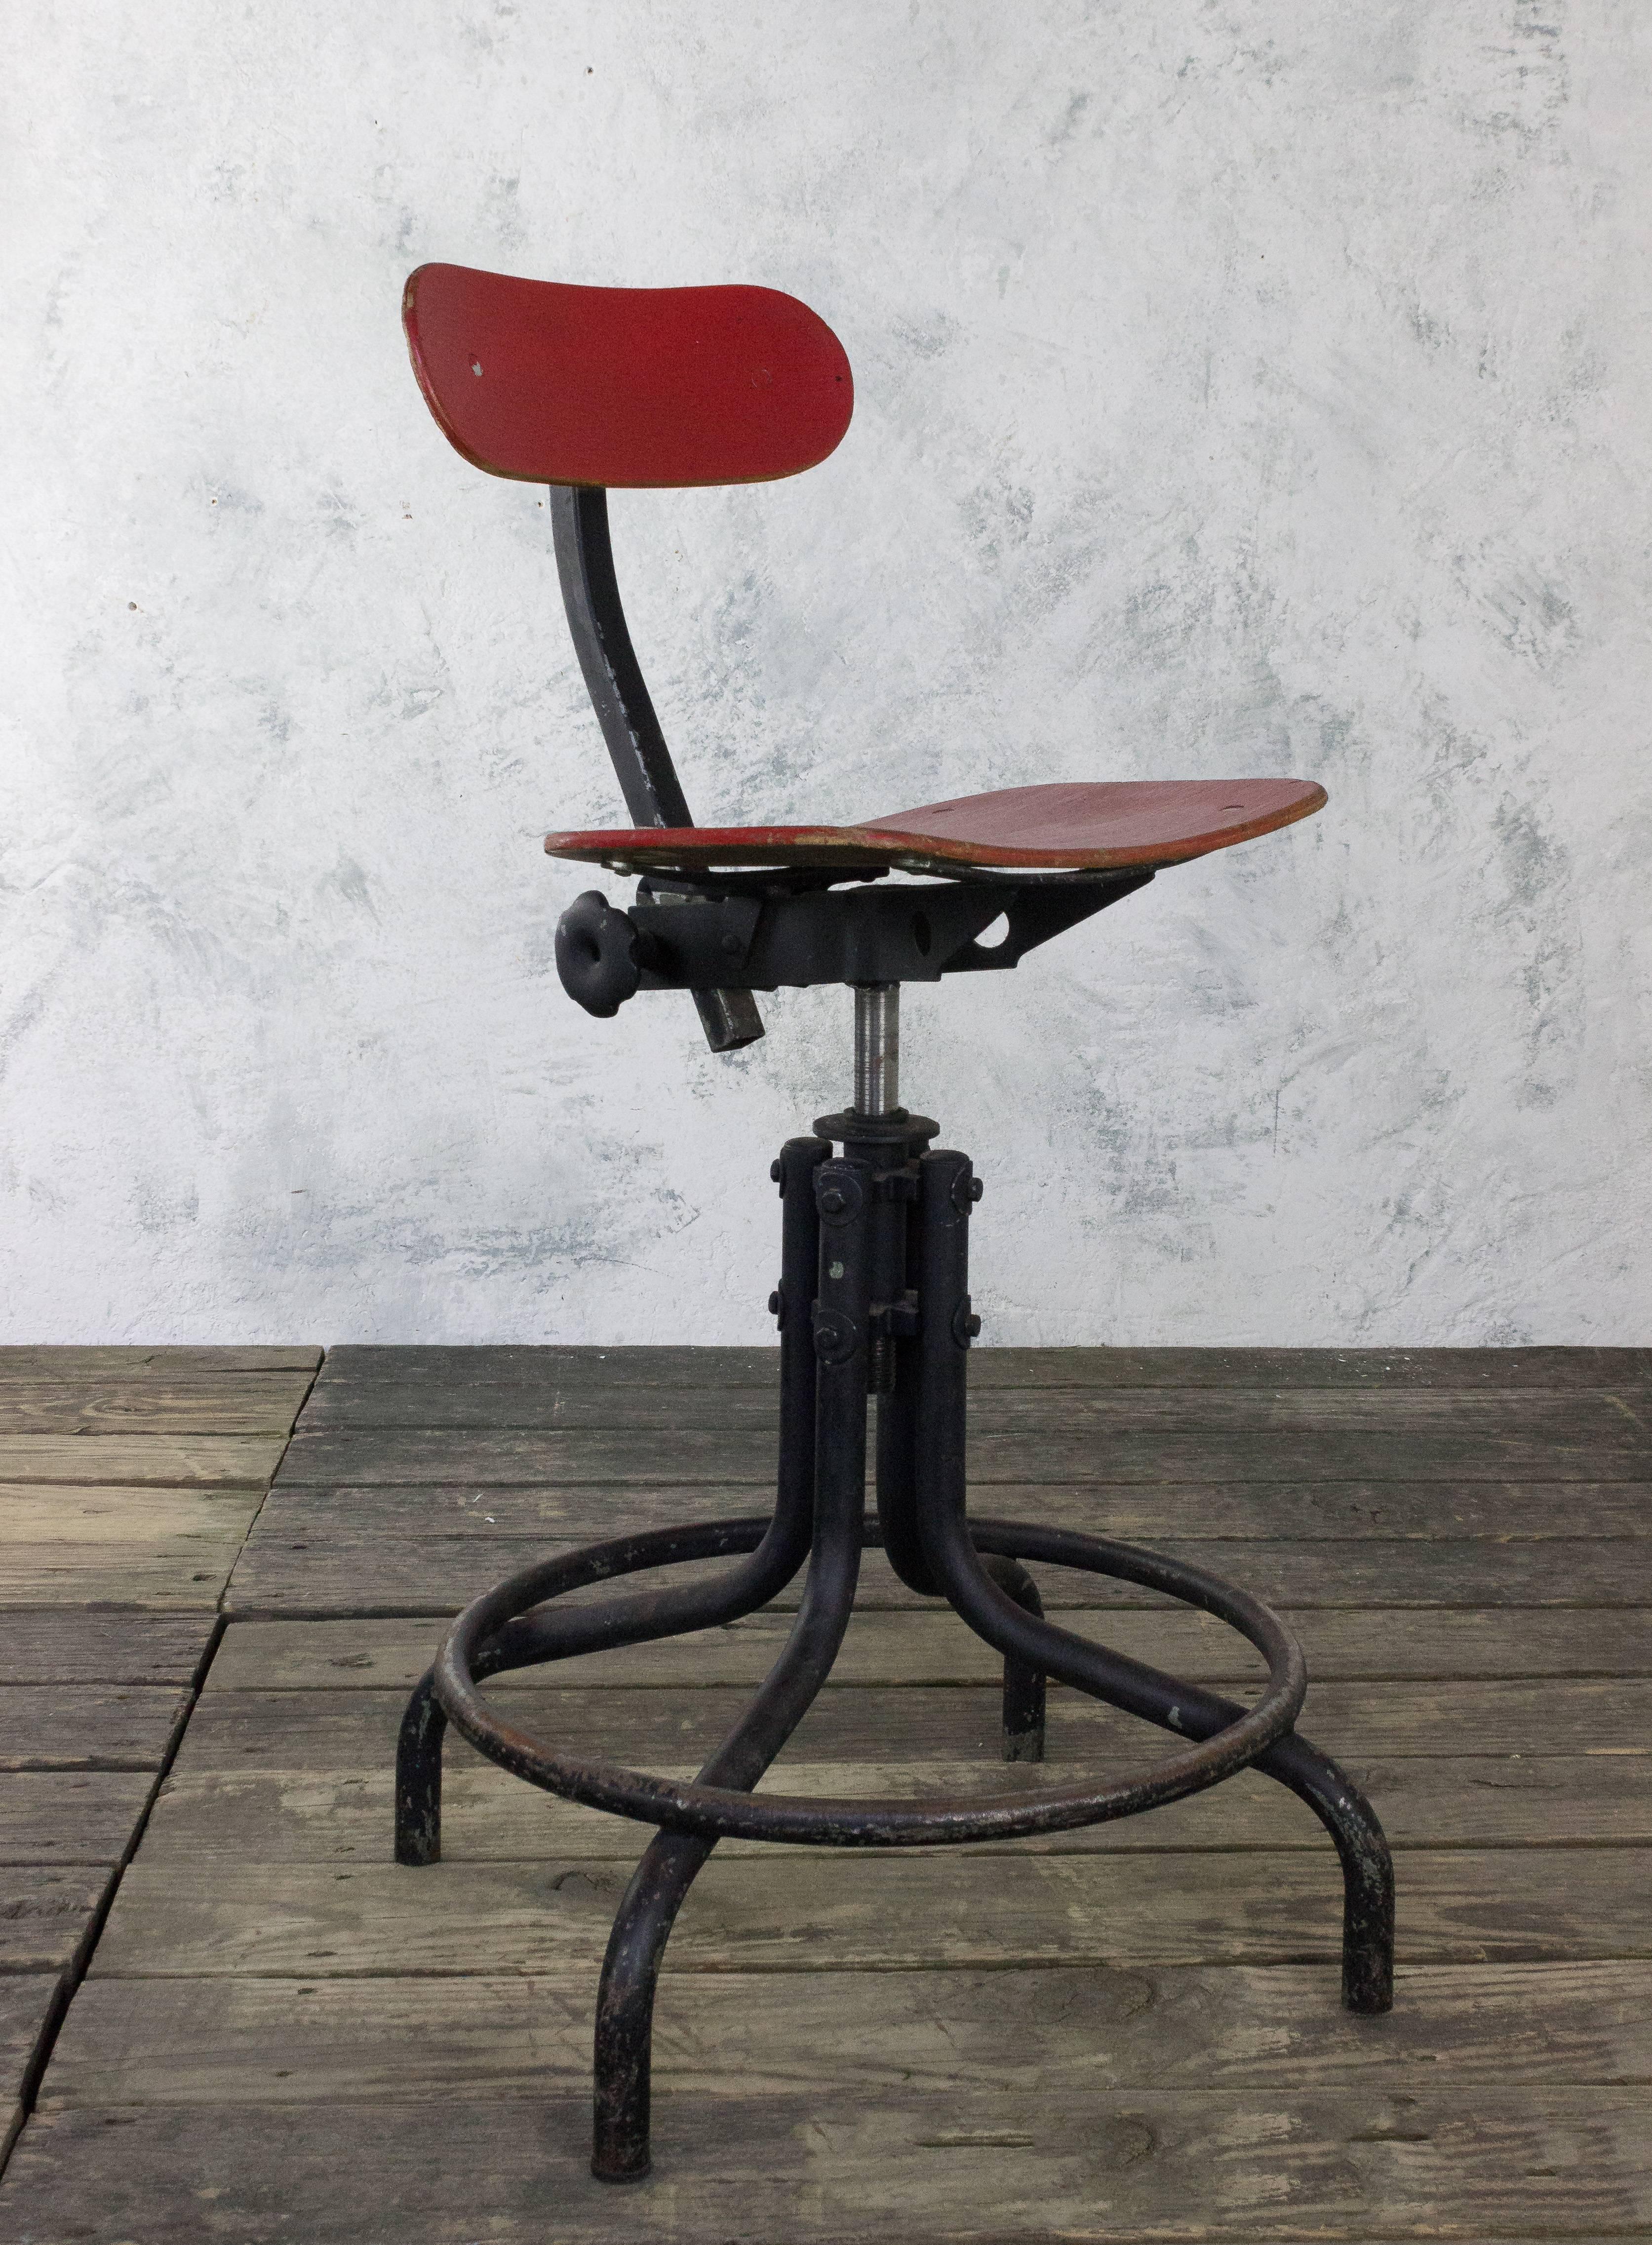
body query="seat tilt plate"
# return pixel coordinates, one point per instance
(767, 936)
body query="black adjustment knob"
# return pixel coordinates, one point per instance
(599, 954)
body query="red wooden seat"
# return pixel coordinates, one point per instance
(1071, 826)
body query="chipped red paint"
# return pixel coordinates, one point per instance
(1075, 825)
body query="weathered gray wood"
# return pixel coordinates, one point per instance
(1580, 1437)
(179, 1403)
(1121, 2166)
(654, 1365)
(87, 1725)
(260, 1815)
(1140, 1512)
(45, 1915)
(357, 1405)
(101, 1647)
(927, 1646)
(182, 1576)
(880, 1913)
(125, 1477)
(341, 1572)
(146, 1461)
(484, 1407)
(921, 1647)
(60, 1816)
(28, 2002)
(31, 1513)
(1432, 1592)
(70, 1545)
(333, 1730)
(100, 1363)
(401, 2041)
(1460, 1368)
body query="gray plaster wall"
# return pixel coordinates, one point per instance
(1241, 388)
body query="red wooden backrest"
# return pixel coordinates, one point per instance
(557, 384)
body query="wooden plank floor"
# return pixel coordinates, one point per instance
(129, 1478)
(1130, 2033)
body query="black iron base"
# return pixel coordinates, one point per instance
(873, 1298)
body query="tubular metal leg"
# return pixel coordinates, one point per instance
(898, 1498)
(547, 1634)
(1368, 1883)
(418, 1776)
(1023, 1680)
(1367, 1867)
(624, 1999)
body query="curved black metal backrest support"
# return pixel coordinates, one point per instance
(614, 677)
(590, 594)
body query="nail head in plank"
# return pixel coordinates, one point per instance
(187, 1576)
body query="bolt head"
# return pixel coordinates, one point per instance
(773, 1304)
(976, 1188)
(834, 1200)
(774, 1170)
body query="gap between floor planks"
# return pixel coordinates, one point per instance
(92, 1702)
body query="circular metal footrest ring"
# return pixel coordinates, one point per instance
(717, 1813)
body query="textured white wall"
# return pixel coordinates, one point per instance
(1241, 388)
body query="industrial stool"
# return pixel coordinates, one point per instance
(581, 389)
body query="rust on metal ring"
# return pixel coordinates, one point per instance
(715, 1812)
